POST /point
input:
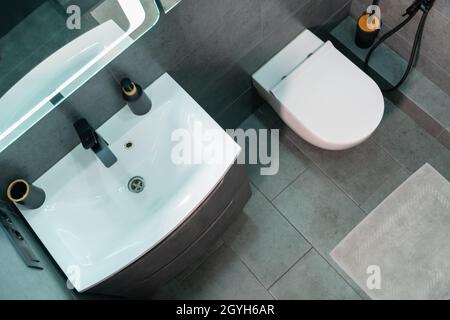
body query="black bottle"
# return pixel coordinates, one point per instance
(366, 33)
(138, 101)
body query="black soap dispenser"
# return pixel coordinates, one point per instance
(138, 101)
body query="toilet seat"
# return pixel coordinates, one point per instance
(336, 105)
(329, 101)
(320, 94)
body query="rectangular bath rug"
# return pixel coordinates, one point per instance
(401, 250)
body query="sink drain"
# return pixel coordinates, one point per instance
(136, 184)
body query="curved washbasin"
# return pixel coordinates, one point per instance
(92, 223)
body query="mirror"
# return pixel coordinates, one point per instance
(49, 48)
(168, 5)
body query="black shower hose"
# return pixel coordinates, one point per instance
(415, 49)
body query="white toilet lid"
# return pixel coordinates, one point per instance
(332, 97)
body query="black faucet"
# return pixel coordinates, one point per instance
(92, 140)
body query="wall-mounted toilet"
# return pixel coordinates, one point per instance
(320, 94)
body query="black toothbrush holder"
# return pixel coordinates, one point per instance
(24, 193)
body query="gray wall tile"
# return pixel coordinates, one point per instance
(275, 11)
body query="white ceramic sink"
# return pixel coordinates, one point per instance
(92, 224)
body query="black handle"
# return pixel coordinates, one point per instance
(88, 137)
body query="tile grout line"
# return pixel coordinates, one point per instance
(245, 53)
(394, 158)
(286, 220)
(287, 136)
(308, 241)
(336, 14)
(228, 106)
(345, 193)
(290, 184)
(312, 247)
(321, 170)
(291, 267)
(248, 267)
(263, 38)
(251, 271)
(419, 128)
(316, 249)
(339, 274)
(441, 133)
(326, 175)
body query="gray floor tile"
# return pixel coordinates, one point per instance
(265, 240)
(427, 95)
(313, 278)
(385, 190)
(319, 210)
(22, 283)
(291, 162)
(346, 278)
(410, 144)
(416, 113)
(223, 276)
(444, 138)
(360, 171)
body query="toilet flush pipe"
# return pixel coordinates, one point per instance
(423, 5)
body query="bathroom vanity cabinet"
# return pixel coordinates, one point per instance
(131, 227)
(186, 245)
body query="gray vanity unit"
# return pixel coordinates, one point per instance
(187, 244)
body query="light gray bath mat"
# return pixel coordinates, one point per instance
(402, 249)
